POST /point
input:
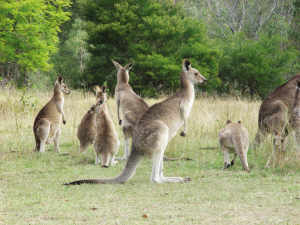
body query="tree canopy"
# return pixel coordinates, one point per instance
(156, 35)
(28, 31)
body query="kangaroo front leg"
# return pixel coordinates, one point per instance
(184, 116)
(118, 108)
(61, 110)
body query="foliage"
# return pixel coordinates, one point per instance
(254, 66)
(70, 61)
(156, 35)
(28, 31)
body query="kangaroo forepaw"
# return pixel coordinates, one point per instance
(64, 121)
(183, 134)
(120, 122)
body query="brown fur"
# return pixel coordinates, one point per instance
(131, 105)
(87, 127)
(234, 138)
(46, 125)
(156, 127)
(276, 115)
(106, 141)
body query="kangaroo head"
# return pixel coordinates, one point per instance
(99, 102)
(92, 109)
(60, 86)
(297, 99)
(193, 75)
(101, 93)
(123, 72)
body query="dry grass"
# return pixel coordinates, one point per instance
(31, 190)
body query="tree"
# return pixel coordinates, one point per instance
(28, 33)
(156, 35)
(256, 67)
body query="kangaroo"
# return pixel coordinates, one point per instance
(296, 106)
(106, 141)
(131, 105)
(276, 116)
(87, 127)
(46, 125)
(234, 138)
(156, 127)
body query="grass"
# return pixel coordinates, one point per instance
(31, 190)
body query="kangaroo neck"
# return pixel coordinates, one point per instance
(186, 87)
(58, 95)
(123, 77)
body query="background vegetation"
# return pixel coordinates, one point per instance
(245, 47)
(31, 190)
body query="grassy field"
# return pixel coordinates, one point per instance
(31, 190)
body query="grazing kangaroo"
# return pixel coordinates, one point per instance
(156, 127)
(87, 127)
(46, 125)
(131, 105)
(234, 138)
(276, 116)
(106, 141)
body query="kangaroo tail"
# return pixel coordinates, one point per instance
(166, 158)
(132, 163)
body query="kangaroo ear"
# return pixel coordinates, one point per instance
(228, 122)
(59, 79)
(297, 83)
(186, 64)
(103, 88)
(117, 65)
(128, 66)
(96, 88)
(239, 122)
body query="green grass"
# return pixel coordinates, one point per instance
(31, 190)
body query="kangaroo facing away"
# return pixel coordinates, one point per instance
(46, 125)
(156, 127)
(106, 141)
(234, 138)
(87, 127)
(131, 106)
(276, 116)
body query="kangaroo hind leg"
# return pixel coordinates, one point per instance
(56, 140)
(157, 168)
(84, 145)
(41, 132)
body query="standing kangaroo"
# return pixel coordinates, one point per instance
(106, 141)
(131, 105)
(156, 127)
(276, 116)
(46, 125)
(87, 127)
(234, 138)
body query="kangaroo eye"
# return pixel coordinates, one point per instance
(196, 74)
